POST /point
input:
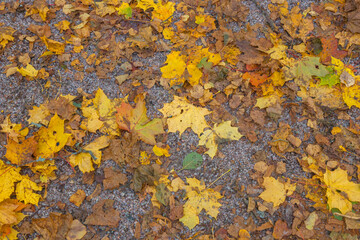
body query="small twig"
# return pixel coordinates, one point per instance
(357, 217)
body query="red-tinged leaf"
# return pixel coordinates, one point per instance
(330, 49)
(281, 230)
(134, 120)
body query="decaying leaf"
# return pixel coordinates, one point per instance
(104, 214)
(303, 71)
(21, 153)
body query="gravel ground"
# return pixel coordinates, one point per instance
(18, 95)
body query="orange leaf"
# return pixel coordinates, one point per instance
(255, 78)
(135, 120)
(330, 49)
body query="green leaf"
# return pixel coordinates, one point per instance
(192, 161)
(303, 71)
(330, 79)
(335, 210)
(205, 64)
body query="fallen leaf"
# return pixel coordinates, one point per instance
(198, 198)
(24, 191)
(303, 71)
(21, 153)
(6, 35)
(90, 154)
(158, 151)
(113, 178)
(28, 71)
(78, 197)
(192, 161)
(100, 114)
(276, 191)
(135, 121)
(51, 139)
(8, 177)
(104, 214)
(77, 231)
(223, 131)
(337, 182)
(181, 114)
(56, 226)
(281, 230)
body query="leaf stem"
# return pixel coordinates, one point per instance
(219, 178)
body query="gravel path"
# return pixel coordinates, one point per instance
(18, 95)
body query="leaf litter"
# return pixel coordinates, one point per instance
(289, 87)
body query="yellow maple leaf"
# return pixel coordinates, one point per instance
(102, 9)
(90, 154)
(14, 131)
(231, 54)
(51, 139)
(100, 114)
(175, 65)
(24, 191)
(62, 25)
(20, 153)
(323, 95)
(351, 96)
(278, 51)
(146, 4)
(9, 212)
(224, 131)
(92, 122)
(199, 54)
(160, 11)
(276, 191)
(10, 215)
(336, 181)
(269, 100)
(181, 114)
(6, 35)
(9, 175)
(38, 115)
(198, 198)
(54, 46)
(45, 169)
(28, 71)
(164, 11)
(158, 151)
(277, 78)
